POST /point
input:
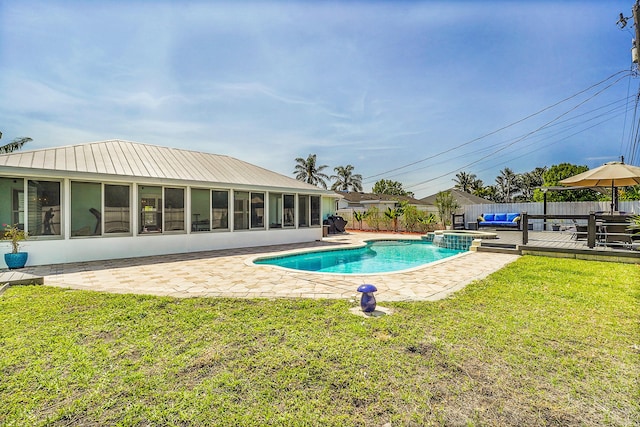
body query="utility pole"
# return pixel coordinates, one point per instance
(635, 12)
(635, 43)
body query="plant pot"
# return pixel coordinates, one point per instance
(555, 227)
(17, 260)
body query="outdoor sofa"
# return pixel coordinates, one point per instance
(509, 220)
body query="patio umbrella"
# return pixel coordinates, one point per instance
(612, 174)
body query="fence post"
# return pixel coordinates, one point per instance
(591, 230)
(525, 227)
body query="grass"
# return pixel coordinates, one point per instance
(542, 342)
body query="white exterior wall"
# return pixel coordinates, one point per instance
(44, 250)
(56, 251)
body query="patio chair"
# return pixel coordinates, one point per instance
(581, 231)
(616, 235)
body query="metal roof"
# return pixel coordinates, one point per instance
(131, 159)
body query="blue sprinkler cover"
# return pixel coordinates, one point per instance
(367, 288)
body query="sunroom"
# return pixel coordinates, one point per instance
(108, 199)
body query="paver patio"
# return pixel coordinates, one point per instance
(229, 273)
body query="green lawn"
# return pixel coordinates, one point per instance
(542, 342)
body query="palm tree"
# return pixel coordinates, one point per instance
(465, 181)
(507, 184)
(309, 172)
(346, 179)
(477, 186)
(14, 145)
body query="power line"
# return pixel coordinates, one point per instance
(366, 179)
(540, 134)
(522, 138)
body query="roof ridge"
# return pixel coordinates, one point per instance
(142, 160)
(117, 140)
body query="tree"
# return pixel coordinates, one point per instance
(447, 205)
(552, 178)
(393, 215)
(359, 216)
(373, 218)
(507, 184)
(410, 216)
(346, 179)
(14, 145)
(488, 192)
(394, 188)
(630, 193)
(465, 181)
(530, 181)
(307, 170)
(478, 189)
(426, 222)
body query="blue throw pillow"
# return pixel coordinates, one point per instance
(501, 217)
(488, 217)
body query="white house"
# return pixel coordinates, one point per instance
(118, 199)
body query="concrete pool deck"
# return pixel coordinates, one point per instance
(229, 273)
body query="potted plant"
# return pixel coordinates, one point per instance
(15, 259)
(555, 226)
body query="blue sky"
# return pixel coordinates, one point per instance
(378, 85)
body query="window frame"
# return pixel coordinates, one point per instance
(254, 211)
(229, 204)
(195, 223)
(59, 213)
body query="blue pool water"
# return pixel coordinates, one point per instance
(381, 256)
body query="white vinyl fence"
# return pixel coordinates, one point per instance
(472, 212)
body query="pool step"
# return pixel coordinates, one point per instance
(499, 249)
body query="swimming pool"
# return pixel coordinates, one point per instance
(378, 256)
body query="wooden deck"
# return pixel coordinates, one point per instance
(17, 277)
(562, 243)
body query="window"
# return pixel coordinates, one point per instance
(44, 210)
(150, 205)
(174, 209)
(12, 213)
(275, 210)
(200, 219)
(220, 209)
(257, 210)
(241, 210)
(87, 216)
(281, 210)
(289, 210)
(117, 210)
(315, 210)
(303, 211)
(86, 209)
